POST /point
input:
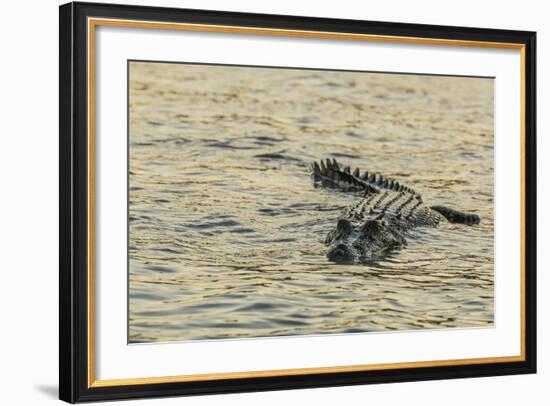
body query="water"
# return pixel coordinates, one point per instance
(227, 230)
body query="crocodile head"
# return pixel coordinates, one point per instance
(349, 243)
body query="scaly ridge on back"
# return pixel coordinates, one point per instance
(330, 173)
(382, 182)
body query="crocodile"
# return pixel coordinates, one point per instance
(384, 217)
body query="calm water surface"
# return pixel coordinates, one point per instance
(227, 230)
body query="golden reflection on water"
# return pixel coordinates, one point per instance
(227, 230)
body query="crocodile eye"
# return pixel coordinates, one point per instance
(344, 226)
(372, 226)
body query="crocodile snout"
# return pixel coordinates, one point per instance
(341, 253)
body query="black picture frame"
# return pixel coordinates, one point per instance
(74, 385)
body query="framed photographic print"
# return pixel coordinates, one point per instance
(257, 202)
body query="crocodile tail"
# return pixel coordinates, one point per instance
(328, 173)
(455, 216)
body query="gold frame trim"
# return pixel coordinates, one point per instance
(94, 22)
